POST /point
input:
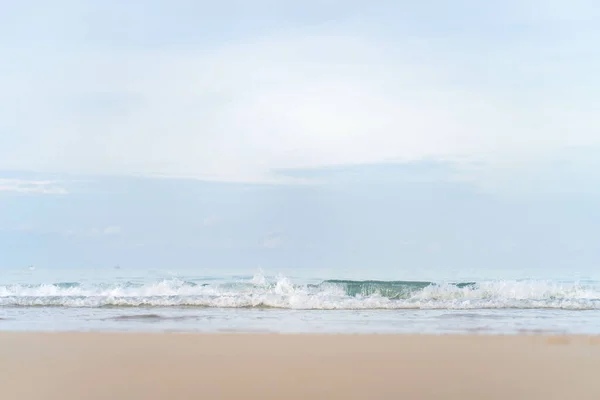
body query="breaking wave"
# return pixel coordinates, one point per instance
(260, 292)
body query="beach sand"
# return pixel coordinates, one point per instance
(89, 366)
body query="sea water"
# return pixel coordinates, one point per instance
(169, 301)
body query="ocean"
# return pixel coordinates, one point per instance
(122, 300)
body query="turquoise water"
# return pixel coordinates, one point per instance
(151, 300)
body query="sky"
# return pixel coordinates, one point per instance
(388, 137)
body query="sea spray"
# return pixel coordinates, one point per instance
(281, 292)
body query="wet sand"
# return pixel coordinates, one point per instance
(90, 366)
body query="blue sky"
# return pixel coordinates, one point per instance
(390, 137)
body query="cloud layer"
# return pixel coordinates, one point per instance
(356, 90)
(31, 186)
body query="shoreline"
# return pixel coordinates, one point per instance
(104, 365)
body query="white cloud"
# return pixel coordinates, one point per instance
(211, 221)
(112, 231)
(272, 240)
(302, 99)
(31, 186)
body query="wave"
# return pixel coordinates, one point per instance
(260, 292)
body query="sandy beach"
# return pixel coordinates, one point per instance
(93, 366)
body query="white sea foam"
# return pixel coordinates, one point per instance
(283, 293)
